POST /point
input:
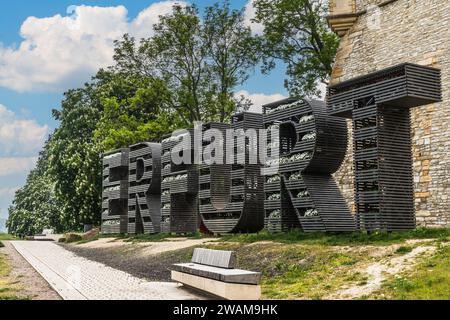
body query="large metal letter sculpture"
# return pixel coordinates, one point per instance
(379, 105)
(115, 192)
(232, 193)
(312, 147)
(144, 212)
(179, 186)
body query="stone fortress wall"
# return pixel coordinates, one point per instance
(376, 34)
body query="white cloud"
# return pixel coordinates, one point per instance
(259, 99)
(322, 87)
(16, 165)
(250, 13)
(142, 26)
(8, 192)
(6, 197)
(20, 137)
(20, 141)
(63, 51)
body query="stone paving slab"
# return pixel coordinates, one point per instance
(76, 278)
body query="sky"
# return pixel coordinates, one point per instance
(48, 47)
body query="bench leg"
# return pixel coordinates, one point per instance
(229, 291)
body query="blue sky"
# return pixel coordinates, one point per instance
(47, 47)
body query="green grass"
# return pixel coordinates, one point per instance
(313, 277)
(9, 290)
(4, 236)
(296, 236)
(296, 265)
(356, 238)
(97, 237)
(404, 249)
(298, 271)
(430, 280)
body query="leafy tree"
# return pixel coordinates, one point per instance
(74, 158)
(200, 61)
(295, 32)
(232, 51)
(35, 206)
(114, 110)
(135, 116)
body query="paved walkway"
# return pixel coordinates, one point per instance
(76, 278)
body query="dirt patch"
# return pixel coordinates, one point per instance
(104, 243)
(31, 284)
(419, 241)
(378, 271)
(146, 248)
(167, 246)
(370, 251)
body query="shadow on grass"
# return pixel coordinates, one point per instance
(162, 237)
(354, 238)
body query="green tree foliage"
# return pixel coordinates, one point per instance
(233, 53)
(35, 206)
(74, 158)
(296, 32)
(200, 60)
(136, 114)
(113, 111)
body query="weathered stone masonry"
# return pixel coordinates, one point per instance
(376, 34)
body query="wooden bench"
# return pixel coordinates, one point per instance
(212, 271)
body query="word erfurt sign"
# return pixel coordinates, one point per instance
(274, 170)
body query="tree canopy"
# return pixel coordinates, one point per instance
(200, 60)
(136, 114)
(35, 206)
(296, 33)
(74, 157)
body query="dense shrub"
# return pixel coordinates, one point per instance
(73, 237)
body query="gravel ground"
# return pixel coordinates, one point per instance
(131, 259)
(31, 283)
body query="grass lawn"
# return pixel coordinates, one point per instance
(4, 236)
(313, 277)
(298, 271)
(9, 289)
(356, 238)
(430, 280)
(296, 265)
(340, 239)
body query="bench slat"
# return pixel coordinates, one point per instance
(214, 258)
(219, 274)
